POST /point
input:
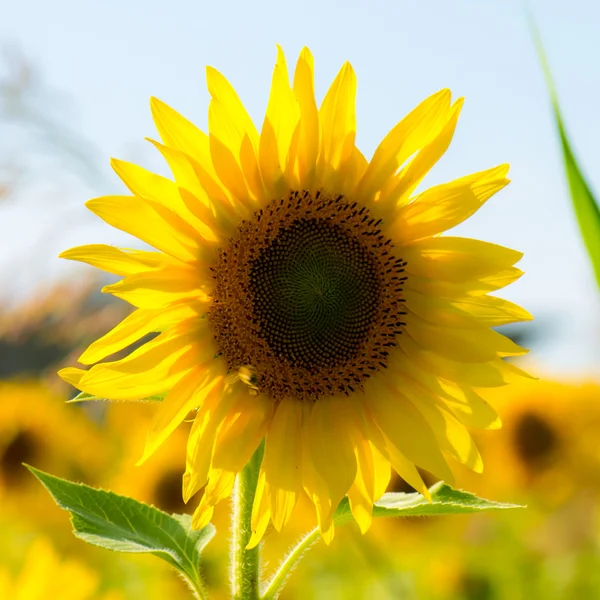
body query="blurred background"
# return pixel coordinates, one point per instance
(75, 80)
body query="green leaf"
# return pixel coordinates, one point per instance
(445, 500)
(584, 203)
(125, 525)
(85, 397)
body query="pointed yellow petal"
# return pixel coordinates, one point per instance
(261, 512)
(460, 289)
(413, 173)
(189, 393)
(211, 413)
(456, 259)
(361, 494)
(278, 128)
(115, 260)
(135, 216)
(406, 429)
(71, 375)
(180, 134)
(222, 91)
(452, 436)
(228, 169)
(152, 369)
(308, 140)
(314, 485)
(444, 206)
(408, 136)
(381, 473)
(135, 326)
(242, 431)
(162, 287)
(282, 460)
(489, 374)
(337, 116)
(463, 345)
(331, 445)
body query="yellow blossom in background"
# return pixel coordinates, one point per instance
(549, 444)
(45, 575)
(37, 427)
(304, 294)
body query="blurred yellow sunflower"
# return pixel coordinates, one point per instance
(549, 449)
(303, 294)
(37, 427)
(45, 574)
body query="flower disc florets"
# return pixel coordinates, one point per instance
(310, 294)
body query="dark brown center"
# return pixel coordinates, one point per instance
(309, 294)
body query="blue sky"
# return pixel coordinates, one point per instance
(109, 57)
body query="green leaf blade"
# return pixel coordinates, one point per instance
(445, 500)
(123, 524)
(585, 204)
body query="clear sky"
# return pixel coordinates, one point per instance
(110, 56)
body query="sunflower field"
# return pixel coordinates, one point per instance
(307, 342)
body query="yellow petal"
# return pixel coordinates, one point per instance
(463, 345)
(337, 116)
(308, 140)
(314, 485)
(222, 91)
(361, 494)
(282, 462)
(460, 289)
(133, 327)
(180, 134)
(71, 375)
(331, 446)
(241, 147)
(413, 173)
(185, 170)
(115, 260)
(456, 259)
(135, 216)
(444, 206)
(452, 436)
(381, 472)
(409, 135)
(261, 512)
(228, 169)
(211, 413)
(278, 128)
(489, 374)
(406, 429)
(152, 369)
(467, 405)
(189, 393)
(406, 469)
(162, 287)
(202, 515)
(242, 431)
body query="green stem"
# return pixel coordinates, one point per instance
(276, 583)
(197, 589)
(245, 563)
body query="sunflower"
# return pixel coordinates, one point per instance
(36, 427)
(549, 449)
(44, 574)
(303, 294)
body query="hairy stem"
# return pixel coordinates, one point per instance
(245, 563)
(276, 583)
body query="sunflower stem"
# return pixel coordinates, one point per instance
(245, 565)
(277, 581)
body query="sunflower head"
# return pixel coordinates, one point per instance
(304, 294)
